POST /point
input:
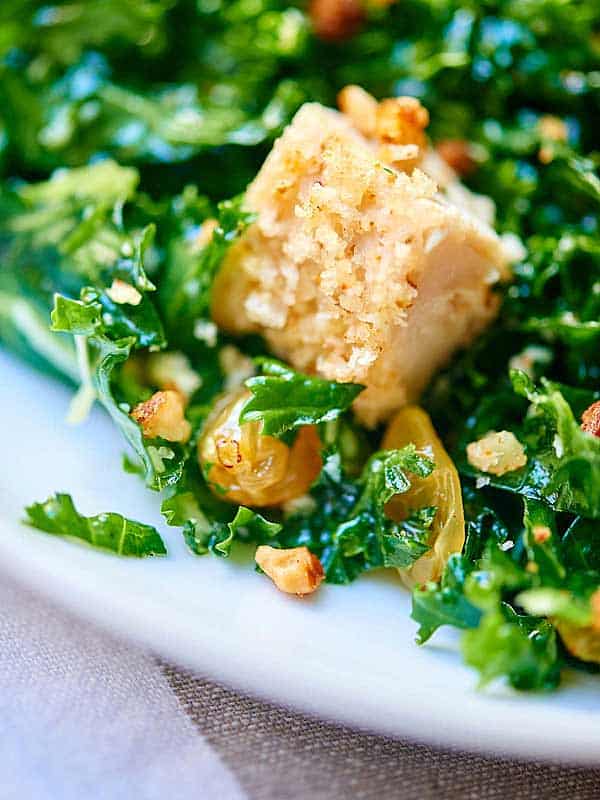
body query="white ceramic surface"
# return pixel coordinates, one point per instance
(348, 654)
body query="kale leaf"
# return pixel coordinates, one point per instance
(283, 399)
(206, 521)
(434, 605)
(111, 531)
(185, 292)
(346, 526)
(563, 462)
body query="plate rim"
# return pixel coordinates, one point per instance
(120, 619)
(373, 697)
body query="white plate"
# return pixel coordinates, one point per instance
(348, 654)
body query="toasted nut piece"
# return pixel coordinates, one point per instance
(122, 292)
(360, 106)
(295, 571)
(590, 419)
(243, 466)
(457, 154)
(235, 365)
(163, 415)
(336, 20)
(401, 120)
(497, 453)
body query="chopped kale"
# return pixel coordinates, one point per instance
(111, 531)
(127, 127)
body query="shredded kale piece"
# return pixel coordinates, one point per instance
(111, 531)
(283, 399)
(346, 525)
(435, 604)
(563, 462)
(144, 164)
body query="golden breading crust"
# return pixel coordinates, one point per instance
(355, 270)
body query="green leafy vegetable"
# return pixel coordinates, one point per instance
(402, 546)
(348, 528)
(122, 536)
(248, 525)
(108, 174)
(522, 648)
(75, 316)
(185, 290)
(445, 604)
(563, 462)
(283, 399)
(208, 526)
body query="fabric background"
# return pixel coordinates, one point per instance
(83, 715)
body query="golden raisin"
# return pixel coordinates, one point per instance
(243, 466)
(441, 489)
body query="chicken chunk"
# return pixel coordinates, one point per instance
(355, 270)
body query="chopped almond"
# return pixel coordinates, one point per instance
(590, 419)
(121, 292)
(336, 20)
(163, 416)
(173, 370)
(295, 571)
(497, 453)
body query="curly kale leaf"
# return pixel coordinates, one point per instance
(563, 461)
(522, 648)
(345, 523)
(283, 399)
(208, 526)
(120, 535)
(434, 605)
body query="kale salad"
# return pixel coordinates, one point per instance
(250, 285)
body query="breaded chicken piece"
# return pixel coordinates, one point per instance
(355, 270)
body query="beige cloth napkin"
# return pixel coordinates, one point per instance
(86, 717)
